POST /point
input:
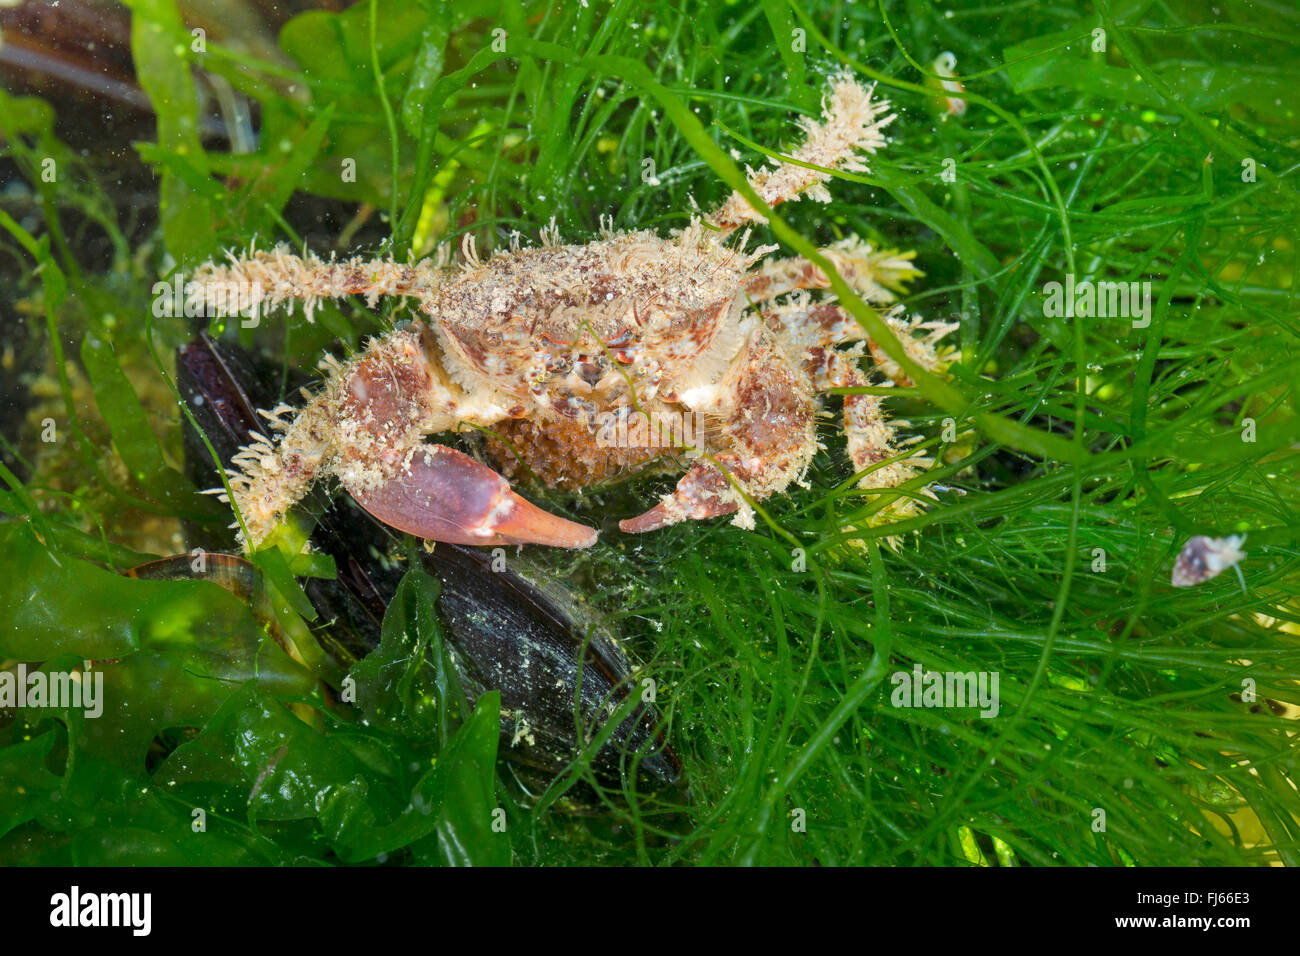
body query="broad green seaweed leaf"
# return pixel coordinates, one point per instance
(55, 604)
(450, 816)
(470, 828)
(355, 163)
(430, 60)
(1061, 60)
(29, 787)
(396, 686)
(158, 44)
(132, 437)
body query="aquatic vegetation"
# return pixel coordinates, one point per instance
(1139, 157)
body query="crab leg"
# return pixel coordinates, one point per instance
(852, 125)
(367, 428)
(819, 325)
(875, 274)
(446, 495)
(703, 492)
(769, 435)
(389, 401)
(871, 436)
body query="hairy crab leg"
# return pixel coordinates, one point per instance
(367, 427)
(769, 434)
(703, 492)
(875, 274)
(818, 325)
(852, 125)
(446, 495)
(871, 436)
(386, 404)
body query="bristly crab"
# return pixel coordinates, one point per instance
(540, 346)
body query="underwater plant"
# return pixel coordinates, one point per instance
(1104, 205)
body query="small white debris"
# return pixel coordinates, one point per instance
(1203, 558)
(944, 66)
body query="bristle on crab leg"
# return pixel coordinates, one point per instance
(448, 496)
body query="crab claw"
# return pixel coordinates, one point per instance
(448, 496)
(703, 492)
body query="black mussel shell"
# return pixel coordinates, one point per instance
(511, 630)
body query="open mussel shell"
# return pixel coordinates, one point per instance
(513, 629)
(237, 575)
